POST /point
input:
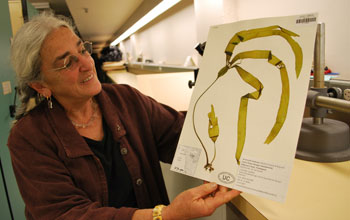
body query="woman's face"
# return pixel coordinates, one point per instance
(68, 85)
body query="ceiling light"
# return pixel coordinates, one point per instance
(159, 9)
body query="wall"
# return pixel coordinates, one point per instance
(334, 13)
(7, 75)
(171, 37)
(209, 12)
(166, 43)
(173, 31)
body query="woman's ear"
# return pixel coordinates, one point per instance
(40, 88)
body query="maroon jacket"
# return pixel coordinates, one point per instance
(58, 175)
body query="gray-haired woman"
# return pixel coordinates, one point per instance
(82, 150)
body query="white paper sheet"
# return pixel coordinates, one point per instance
(262, 168)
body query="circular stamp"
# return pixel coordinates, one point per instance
(226, 177)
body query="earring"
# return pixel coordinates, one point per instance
(49, 102)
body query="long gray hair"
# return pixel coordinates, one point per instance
(25, 56)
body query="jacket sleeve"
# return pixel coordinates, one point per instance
(165, 122)
(167, 125)
(46, 185)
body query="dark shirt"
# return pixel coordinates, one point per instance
(120, 190)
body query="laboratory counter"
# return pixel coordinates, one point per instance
(316, 191)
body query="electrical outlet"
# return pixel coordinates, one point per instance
(347, 94)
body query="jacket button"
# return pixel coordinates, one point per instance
(123, 151)
(139, 182)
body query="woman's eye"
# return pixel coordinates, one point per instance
(68, 62)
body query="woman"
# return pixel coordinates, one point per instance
(89, 151)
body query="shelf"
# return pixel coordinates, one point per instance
(111, 66)
(149, 68)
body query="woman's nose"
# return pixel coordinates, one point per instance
(86, 62)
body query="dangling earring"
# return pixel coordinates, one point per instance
(49, 102)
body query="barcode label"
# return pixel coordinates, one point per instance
(306, 20)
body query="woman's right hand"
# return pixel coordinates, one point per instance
(198, 202)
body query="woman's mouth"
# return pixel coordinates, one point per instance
(88, 78)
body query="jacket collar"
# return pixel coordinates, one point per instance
(111, 114)
(73, 143)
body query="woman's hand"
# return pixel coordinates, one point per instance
(198, 202)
